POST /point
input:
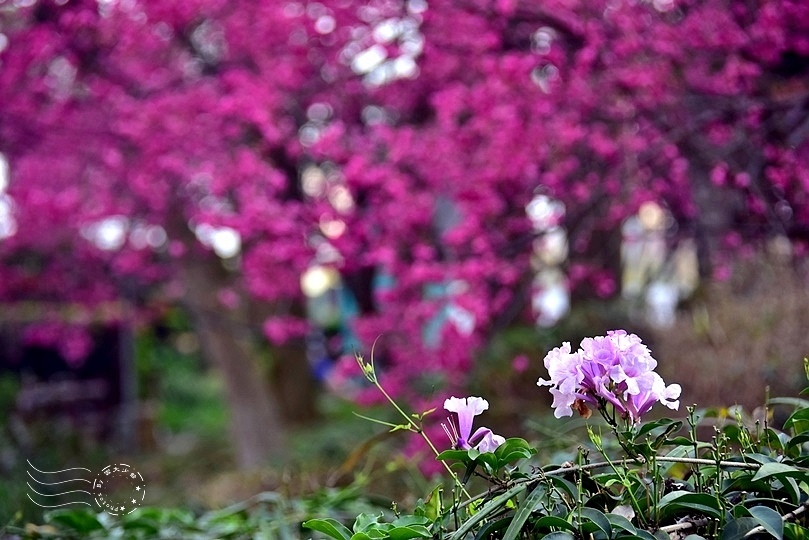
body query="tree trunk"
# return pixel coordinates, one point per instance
(717, 210)
(227, 342)
(291, 381)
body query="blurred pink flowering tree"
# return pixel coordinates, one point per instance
(396, 139)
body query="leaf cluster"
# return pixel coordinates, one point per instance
(268, 515)
(661, 479)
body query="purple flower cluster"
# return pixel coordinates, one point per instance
(617, 368)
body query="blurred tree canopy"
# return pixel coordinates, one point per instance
(209, 151)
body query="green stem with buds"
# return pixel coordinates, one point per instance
(369, 371)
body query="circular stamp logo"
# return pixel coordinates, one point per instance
(119, 489)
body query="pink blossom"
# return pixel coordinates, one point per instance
(281, 329)
(194, 115)
(461, 434)
(520, 363)
(616, 368)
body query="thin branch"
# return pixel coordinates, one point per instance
(786, 517)
(698, 461)
(685, 525)
(575, 468)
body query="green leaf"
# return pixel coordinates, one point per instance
(650, 426)
(798, 421)
(761, 501)
(554, 522)
(512, 450)
(770, 438)
(793, 531)
(484, 511)
(407, 521)
(778, 470)
(795, 402)
(740, 482)
(801, 461)
(364, 522)
(485, 532)
(679, 441)
(471, 465)
(769, 519)
(677, 501)
(330, 527)
(146, 527)
(488, 459)
(646, 535)
(82, 521)
(524, 511)
(732, 432)
(596, 517)
(407, 533)
(797, 439)
(457, 455)
(434, 503)
(735, 529)
(791, 486)
(663, 437)
(566, 486)
(694, 537)
(510, 444)
(559, 536)
(759, 458)
(620, 522)
(431, 508)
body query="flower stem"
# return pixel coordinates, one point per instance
(370, 373)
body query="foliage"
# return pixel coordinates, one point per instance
(653, 479)
(713, 474)
(311, 129)
(267, 515)
(188, 397)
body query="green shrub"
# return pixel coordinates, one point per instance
(719, 474)
(654, 479)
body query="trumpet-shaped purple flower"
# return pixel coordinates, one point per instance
(617, 368)
(461, 434)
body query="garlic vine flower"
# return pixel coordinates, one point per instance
(460, 434)
(617, 368)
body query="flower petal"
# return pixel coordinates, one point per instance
(489, 441)
(466, 409)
